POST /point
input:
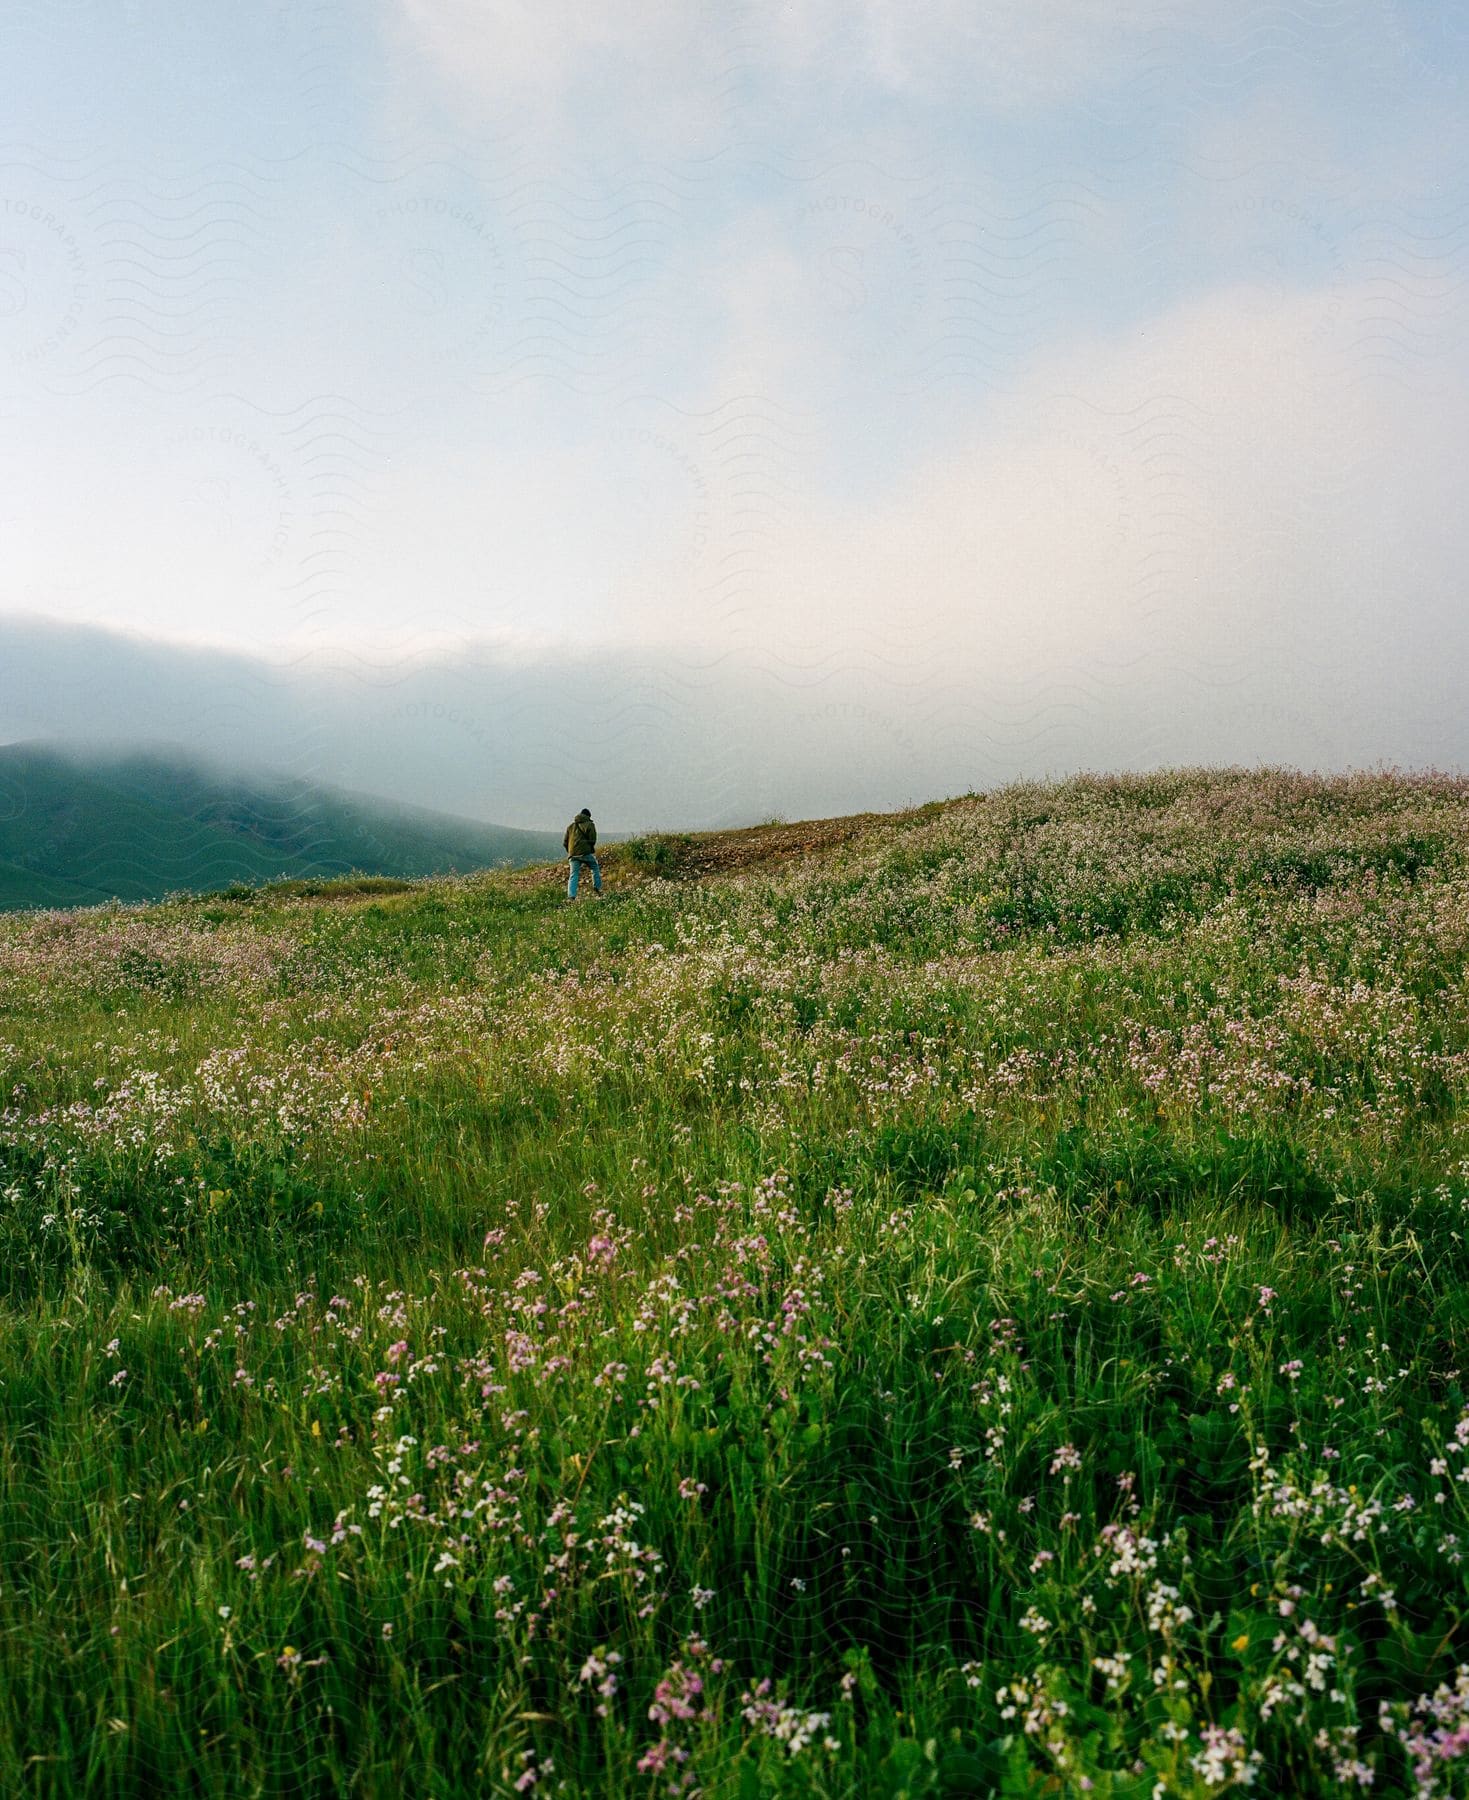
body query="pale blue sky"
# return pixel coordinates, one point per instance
(841, 403)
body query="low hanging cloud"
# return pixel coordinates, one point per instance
(1215, 491)
(1204, 543)
(1194, 544)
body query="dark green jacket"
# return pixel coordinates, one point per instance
(581, 836)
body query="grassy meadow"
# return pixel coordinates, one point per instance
(976, 1308)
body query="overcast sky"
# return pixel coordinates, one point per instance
(705, 410)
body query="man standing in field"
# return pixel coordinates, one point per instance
(580, 842)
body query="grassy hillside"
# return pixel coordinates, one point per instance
(78, 828)
(970, 1303)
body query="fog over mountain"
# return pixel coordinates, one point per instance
(656, 742)
(83, 825)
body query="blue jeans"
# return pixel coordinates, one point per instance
(593, 865)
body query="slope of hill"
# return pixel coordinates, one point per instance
(77, 828)
(966, 1303)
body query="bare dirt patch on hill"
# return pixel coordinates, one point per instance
(705, 855)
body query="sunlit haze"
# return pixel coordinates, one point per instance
(701, 411)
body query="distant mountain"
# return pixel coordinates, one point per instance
(81, 825)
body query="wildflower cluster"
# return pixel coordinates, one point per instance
(981, 1308)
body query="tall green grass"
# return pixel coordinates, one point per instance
(982, 1313)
